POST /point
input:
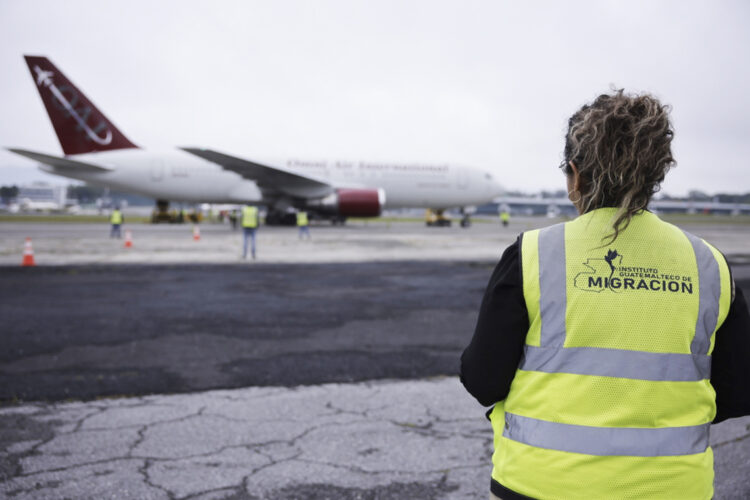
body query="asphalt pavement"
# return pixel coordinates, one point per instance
(111, 330)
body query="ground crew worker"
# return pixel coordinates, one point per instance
(504, 218)
(116, 219)
(249, 227)
(618, 340)
(302, 223)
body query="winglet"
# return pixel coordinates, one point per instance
(80, 126)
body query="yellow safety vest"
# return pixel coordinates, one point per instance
(249, 216)
(612, 398)
(504, 216)
(116, 217)
(301, 218)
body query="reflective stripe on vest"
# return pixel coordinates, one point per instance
(709, 292)
(553, 296)
(639, 365)
(607, 441)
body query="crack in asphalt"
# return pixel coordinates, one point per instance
(147, 462)
(141, 438)
(738, 439)
(143, 471)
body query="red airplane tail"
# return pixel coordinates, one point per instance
(80, 126)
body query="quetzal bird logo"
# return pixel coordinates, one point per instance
(609, 258)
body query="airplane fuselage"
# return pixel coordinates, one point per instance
(179, 176)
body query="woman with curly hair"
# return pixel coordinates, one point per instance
(610, 343)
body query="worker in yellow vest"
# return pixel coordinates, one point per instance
(504, 217)
(116, 219)
(302, 224)
(610, 343)
(249, 227)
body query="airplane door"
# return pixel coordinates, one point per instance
(157, 170)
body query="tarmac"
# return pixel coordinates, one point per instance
(369, 241)
(113, 330)
(68, 244)
(419, 435)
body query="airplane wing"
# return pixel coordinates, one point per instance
(61, 162)
(269, 179)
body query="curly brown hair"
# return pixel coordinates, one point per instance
(621, 146)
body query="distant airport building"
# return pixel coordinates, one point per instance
(553, 207)
(700, 207)
(42, 196)
(519, 205)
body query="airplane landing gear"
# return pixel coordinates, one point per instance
(161, 213)
(466, 216)
(279, 218)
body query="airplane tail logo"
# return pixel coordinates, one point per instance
(80, 126)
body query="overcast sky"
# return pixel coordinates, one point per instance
(482, 83)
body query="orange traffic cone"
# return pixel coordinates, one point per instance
(196, 233)
(128, 239)
(28, 254)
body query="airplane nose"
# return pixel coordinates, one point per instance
(492, 187)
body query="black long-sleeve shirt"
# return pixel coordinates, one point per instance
(489, 363)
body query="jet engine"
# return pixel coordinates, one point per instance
(351, 203)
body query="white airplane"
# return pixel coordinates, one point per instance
(95, 151)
